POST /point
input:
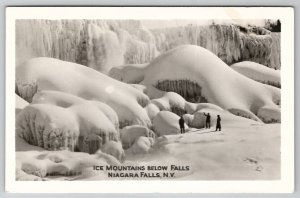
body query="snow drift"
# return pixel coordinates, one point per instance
(52, 74)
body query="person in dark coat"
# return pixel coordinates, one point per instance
(181, 125)
(218, 123)
(207, 123)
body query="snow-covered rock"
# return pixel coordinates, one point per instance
(115, 149)
(258, 73)
(166, 123)
(130, 134)
(52, 74)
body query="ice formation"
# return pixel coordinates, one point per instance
(200, 66)
(231, 43)
(99, 44)
(258, 73)
(59, 121)
(166, 123)
(130, 134)
(193, 77)
(52, 74)
(103, 44)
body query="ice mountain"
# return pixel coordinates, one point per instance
(200, 76)
(51, 74)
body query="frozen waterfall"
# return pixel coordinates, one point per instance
(103, 44)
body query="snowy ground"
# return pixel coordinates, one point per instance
(239, 152)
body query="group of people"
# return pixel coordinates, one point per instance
(207, 123)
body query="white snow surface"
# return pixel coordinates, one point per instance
(52, 74)
(258, 72)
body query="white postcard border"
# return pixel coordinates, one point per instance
(285, 185)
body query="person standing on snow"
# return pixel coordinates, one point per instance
(207, 123)
(218, 123)
(181, 125)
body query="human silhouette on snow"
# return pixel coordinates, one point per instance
(207, 123)
(181, 125)
(218, 123)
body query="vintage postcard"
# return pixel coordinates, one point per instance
(149, 99)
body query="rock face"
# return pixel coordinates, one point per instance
(166, 123)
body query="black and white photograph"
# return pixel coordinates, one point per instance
(183, 99)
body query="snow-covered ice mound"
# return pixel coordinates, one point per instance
(166, 123)
(58, 121)
(115, 149)
(130, 73)
(200, 76)
(152, 110)
(142, 145)
(258, 72)
(52, 74)
(130, 134)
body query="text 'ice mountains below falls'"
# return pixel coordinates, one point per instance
(103, 44)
